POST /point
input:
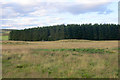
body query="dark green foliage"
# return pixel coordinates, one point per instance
(70, 31)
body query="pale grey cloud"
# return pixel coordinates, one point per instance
(37, 12)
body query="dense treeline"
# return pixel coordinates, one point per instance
(70, 31)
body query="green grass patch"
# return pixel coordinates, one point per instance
(4, 38)
(89, 50)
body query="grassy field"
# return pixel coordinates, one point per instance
(4, 33)
(5, 38)
(60, 59)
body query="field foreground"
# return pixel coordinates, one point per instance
(60, 59)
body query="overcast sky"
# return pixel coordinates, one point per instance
(20, 14)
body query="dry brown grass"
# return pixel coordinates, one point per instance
(57, 64)
(58, 44)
